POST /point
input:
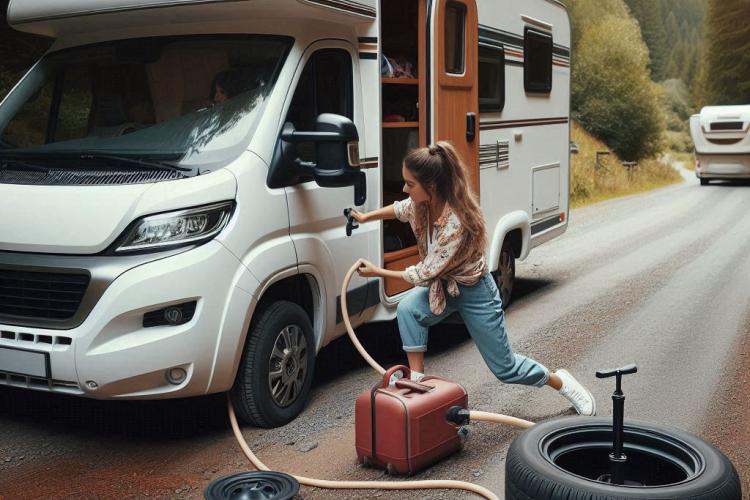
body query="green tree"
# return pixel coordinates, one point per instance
(649, 16)
(612, 94)
(726, 72)
(585, 12)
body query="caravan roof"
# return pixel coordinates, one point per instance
(734, 114)
(54, 17)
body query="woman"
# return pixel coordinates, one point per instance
(452, 275)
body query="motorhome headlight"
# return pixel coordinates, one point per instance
(182, 227)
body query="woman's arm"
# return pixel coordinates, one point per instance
(385, 213)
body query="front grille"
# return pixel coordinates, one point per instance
(726, 126)
(38, 295)
(40, 384)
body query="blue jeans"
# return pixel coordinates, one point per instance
(481, 310)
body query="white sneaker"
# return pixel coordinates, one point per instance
(582, 400)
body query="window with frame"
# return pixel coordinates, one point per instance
(491, 79)
(455, 38)
(325, 86)
(537, 65)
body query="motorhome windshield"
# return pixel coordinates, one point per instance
(193, 101)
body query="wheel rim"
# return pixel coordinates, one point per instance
(654, 459)
(287, 365)
(256, 485)
(505, 275)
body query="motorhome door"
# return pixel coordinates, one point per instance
(455, 79)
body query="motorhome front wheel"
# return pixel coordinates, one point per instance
(569, 458)
(276, 371)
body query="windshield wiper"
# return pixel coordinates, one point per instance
(5, 162)
(138, 162)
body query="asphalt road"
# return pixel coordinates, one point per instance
(660, 279)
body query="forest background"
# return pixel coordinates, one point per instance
(640, 68)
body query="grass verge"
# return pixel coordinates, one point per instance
(595, 180)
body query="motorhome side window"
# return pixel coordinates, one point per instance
(325, 86)
(455, 36)
(537, 66)
(491, 79)
(194, 100)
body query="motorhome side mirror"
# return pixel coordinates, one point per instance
(336, 153)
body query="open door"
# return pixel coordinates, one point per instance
(456, 77)
(404, 120)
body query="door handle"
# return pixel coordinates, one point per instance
(471, 126)
(351, 222)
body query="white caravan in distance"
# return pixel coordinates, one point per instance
(721, 135)
(173, 175)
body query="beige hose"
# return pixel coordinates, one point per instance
(349, 329)
(379, 485)
(360, 485)
(497, 418)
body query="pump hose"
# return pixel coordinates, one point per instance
(379, 485)
(360, 485)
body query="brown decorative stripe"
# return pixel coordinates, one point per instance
(492, 125)
(345, 5)
(497, 37)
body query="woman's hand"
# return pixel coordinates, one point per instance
(367, 269)
(359, 216)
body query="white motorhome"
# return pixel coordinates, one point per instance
(721, 135)
(173, 175)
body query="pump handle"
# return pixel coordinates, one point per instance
(413, 386)
(624, 370)
(390, 373)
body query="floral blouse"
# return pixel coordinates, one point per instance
(453, 260)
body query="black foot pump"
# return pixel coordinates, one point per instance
(617, 458)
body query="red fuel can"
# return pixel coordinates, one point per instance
(401, 425)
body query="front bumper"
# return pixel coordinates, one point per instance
(110, 354)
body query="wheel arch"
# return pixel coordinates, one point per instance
(298, 285)
(515, 225)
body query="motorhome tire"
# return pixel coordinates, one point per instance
(276, 370)
(704, 181)
(539, 463)
(506, 273)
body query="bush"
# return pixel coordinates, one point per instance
(612, 94)
(589, 184)
(679, 142)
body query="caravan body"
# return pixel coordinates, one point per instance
(721, 135)
(174, 176)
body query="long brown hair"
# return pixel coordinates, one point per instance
(440, 170)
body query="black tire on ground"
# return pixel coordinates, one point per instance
(276, 370)
(531, 475)
(266, 485)
(704, 181)
(505, 276)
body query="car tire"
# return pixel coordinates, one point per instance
(276, 370)
(534, 467)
